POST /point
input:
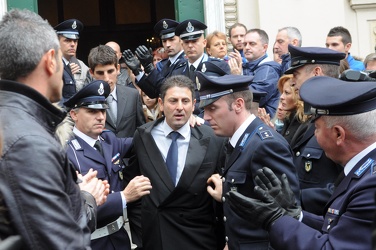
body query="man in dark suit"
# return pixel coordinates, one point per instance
(179, 212)
(316, 171)
(345, 129)
(99, 149)
(252, 145)
(125, 111)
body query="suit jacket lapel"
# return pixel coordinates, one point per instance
(121, 103)
(153, 153)
(90, 152)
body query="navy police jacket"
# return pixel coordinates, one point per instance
(259, 146)
(348, 221)
(110, 168)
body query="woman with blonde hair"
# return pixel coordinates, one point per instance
(290, 103)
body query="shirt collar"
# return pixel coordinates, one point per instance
(351, 164)
(84, 137)
(175, 57)
(197, 62)
(183, 131)
(238, 133)
(113, 93)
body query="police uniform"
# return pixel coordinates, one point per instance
(70, 29)
(110, 233)
(349, 213)
(258, 146)
(315, 170)
(151, 83)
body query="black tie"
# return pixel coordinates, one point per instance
(98, 147)
(172, 156)
(192, 73)
(340, 177)
(229, 150)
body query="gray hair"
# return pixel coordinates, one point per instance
(24, 38)
(293, 33)
(361, 126)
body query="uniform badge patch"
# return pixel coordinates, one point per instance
(266, 134)
(190, 27)
(74, 25)
(308, 166)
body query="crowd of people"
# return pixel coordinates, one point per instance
(190, 146)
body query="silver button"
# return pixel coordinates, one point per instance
(224, 218)
(223, 199)
(223, 179)
(232, 180)
(226, 238)
(308, 155)
(297, 153)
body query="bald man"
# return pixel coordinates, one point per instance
(124, 77)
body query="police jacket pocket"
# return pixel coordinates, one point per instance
(236, 178)
(312, 153)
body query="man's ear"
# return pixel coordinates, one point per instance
(50, 61)
(160, 102)
(73, 115)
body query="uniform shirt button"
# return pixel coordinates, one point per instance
(224, 218)
(223, 199)
(226, 238)
(297, 153)
(223, 179)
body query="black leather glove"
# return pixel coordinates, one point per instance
(280, 191)
(261, 212)
(132, 62)
(146, 58)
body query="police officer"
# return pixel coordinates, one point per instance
(151, 81)
(68, 33)
(99, 149)
(345, 129)
(227, 103)
(316, 171)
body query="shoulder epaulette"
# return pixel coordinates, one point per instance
(265, 133)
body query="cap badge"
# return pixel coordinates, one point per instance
(190, 27)
(74, 25)
(165, 25)
(101, 89)
(198, 84)
(203, 69)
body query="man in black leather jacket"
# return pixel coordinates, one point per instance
(48, 211)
